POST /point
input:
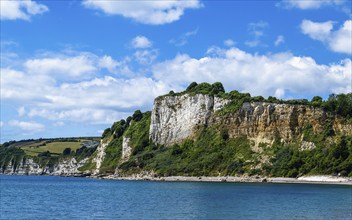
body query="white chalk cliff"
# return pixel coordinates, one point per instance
(174, 119)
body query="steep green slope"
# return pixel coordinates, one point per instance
(46, 152)
(210, 151)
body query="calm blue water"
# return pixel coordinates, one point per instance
(44, 197)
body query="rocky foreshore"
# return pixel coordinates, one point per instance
(322, 179)
(304, 179)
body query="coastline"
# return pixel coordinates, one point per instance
(231, 179)
(319, 179)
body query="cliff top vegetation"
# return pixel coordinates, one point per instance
(339, 104)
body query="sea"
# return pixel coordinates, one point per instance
(52, 197)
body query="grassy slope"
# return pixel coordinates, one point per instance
(212, 153)
(16, 151)
(53, 147)
(137, 130)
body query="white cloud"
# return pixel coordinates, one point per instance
(29, 127)
(146, 57)
(341, 40)
(2, 123)
(256, 29)
(104, 98)
(309, 4)
(282, 74)
(20, 9)
(183, 38)
(252, 43)
(97, 100)
(315, 30)
(141, 42)
(279, 40)
(76, 66)
(146, 12)
(59, 124)
(21, 111)
(229, 43)
(337, 40)
(109, 63)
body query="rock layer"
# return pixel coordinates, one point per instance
(126, 149)
(66, 167)
(175, 117)
(98, 160)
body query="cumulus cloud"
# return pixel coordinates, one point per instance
(337, 40)
(141, 42)
(146, 12)
(20, 9)
(282, 74)
(65, 66)
(29, 127)
(97, 100)
(146, 57)
(279, 40)
(105, 98)
(309, 4)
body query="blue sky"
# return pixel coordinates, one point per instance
(72, 68)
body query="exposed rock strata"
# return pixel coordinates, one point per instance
(175, 117)
(98, 160)
(126, 149)
(67, 167)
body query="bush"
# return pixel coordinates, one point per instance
(191, 86)
(137, 115)
(66, 151)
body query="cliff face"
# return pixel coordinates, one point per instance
(262, 122)
(175, 117)
(98, 160)
(29, 167)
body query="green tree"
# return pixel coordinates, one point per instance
(137, 115)
(218, 88)
(317, 101)
(128, 120)
(107, 132)
(192, 86)
(67, 151)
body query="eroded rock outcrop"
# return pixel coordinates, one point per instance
(65, 167)
(98, 160)
(174, 117)
(126, 149)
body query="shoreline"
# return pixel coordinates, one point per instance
(282, 180)
(321, 179)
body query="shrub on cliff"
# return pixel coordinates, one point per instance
(66, 151)
(137, 115)
(9, 155)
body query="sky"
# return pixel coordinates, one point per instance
(72, 68)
